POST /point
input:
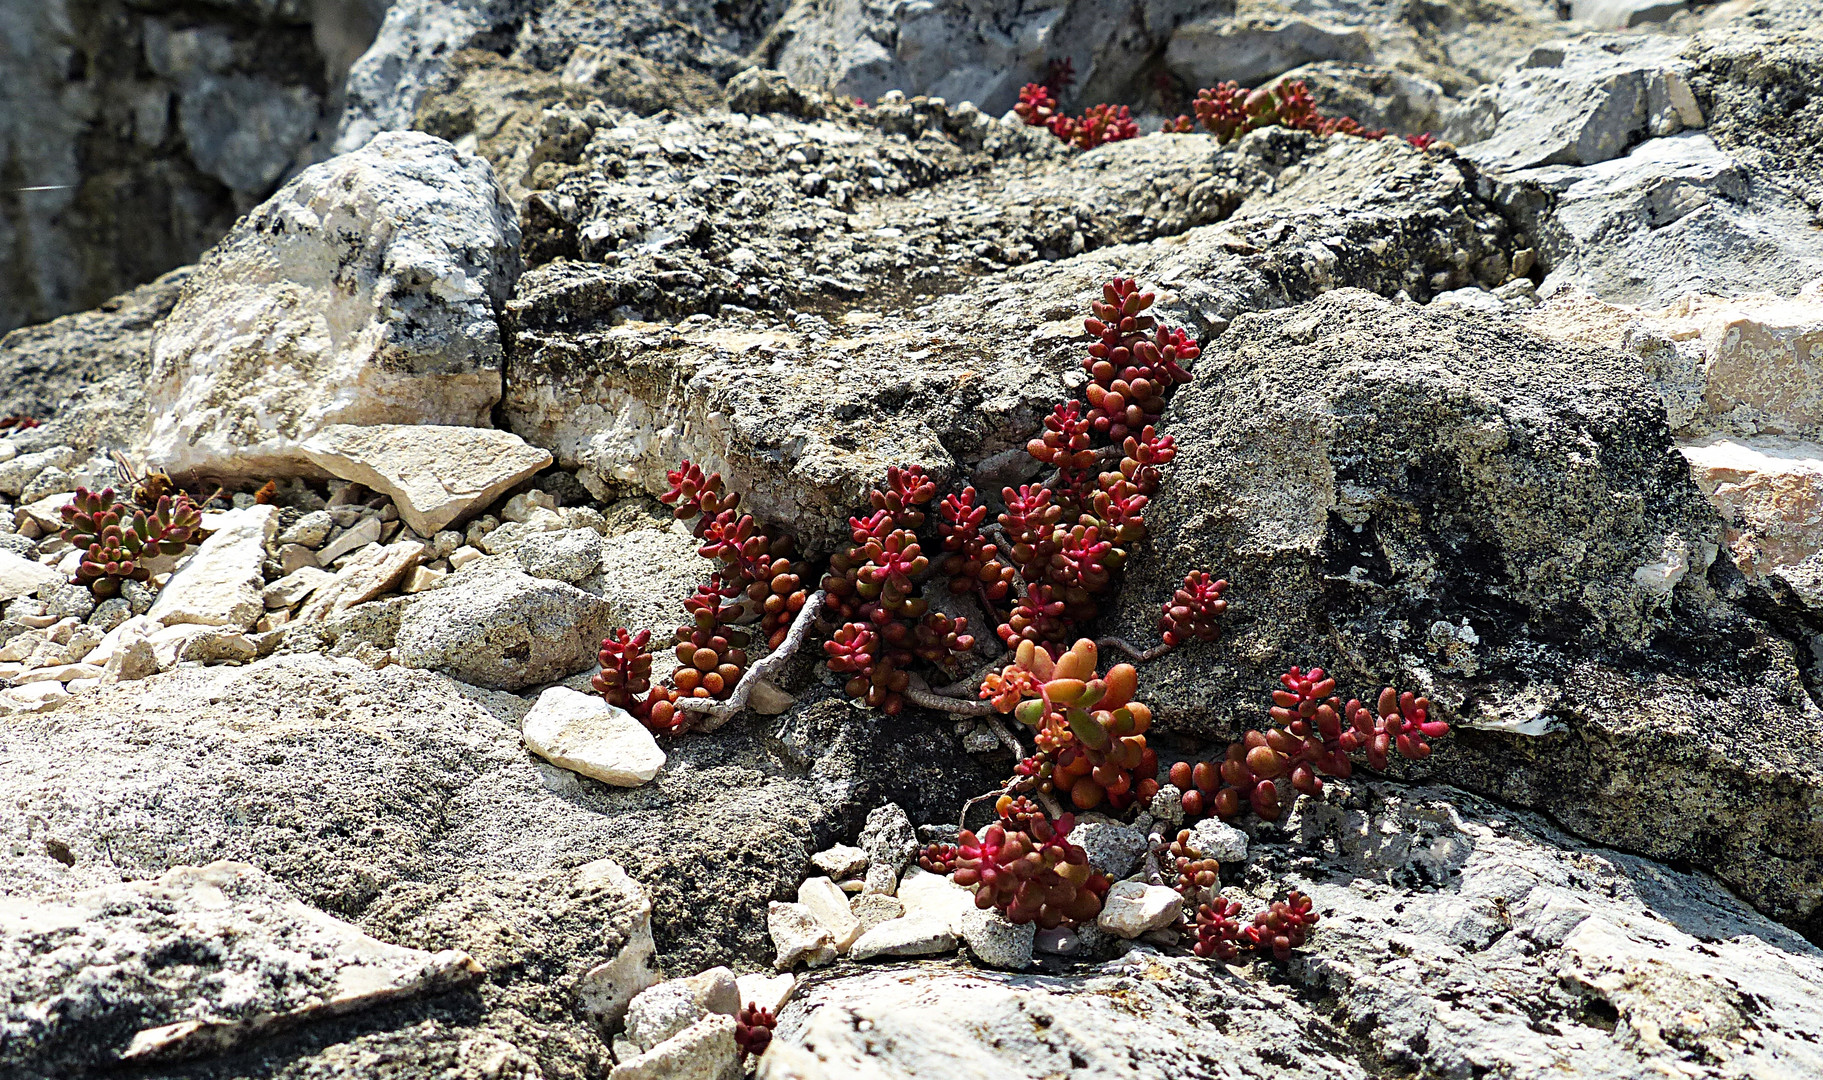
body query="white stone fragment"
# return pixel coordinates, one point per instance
(585, 734)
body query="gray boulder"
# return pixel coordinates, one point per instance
(1501, 523)
(498, 628)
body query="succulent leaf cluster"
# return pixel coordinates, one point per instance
(753, 1029)
(1227, 110)
(625, 681)
(1025, 866)
(116, 539)
(18, 422)
(1316, 735)
(1090, 732)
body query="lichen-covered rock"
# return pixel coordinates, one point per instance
(502, 629)
(1502, 523)
(364, 292)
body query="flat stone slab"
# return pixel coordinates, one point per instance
(20, 576)
(585, 734)
(199, 961)
(222, 582)
(436, 474)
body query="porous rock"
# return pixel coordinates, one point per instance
(914, 934)
(1133, 907)
(705, 1050)
(561, 555)
(436, 474)
(502, 629)
(364, 292)
(1113, 848)
(997, 942)
(890, 842)
(799, 937)
(661, 1011)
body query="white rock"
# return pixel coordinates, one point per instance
(61, 673)
(134, 659)
(1113, 848)
(363, 292)
(840, 861)
(564, 555)
(521, 506)
(997, 942)
(16, 472)
(311, 530)
(1220, 841)
(206, 644)
(220, 584)
(1134, 907)
(911, 935)
(925, 893)
(422, 578)
(585, 734)
(798, 936)
(359, 535)
(289, 590)
(766, 991)
(372, 571)
(872, 909)
(435, 474)
(33, 697)
(659, 1012)
(606, 989)
(705, 1050)
(829, 905)
(20, 576)
(464, 555)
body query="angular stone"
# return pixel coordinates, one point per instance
(205, 644)
(767, 991)
(890, 843)
(291, 589)
(1220, 841)
(220, 585)
(705, 1050)
(501, 629)
(311, 530)
(798, 937)
(997, 942)
(829, 906)
(372, 571)
(564, 555)
(20, 576)
(925, 893)
(910, 935)
(1113, 848)
(841, 861)
(362, 533)
(102, 948)
(585, 734)
(436, 475)
(363, 292)
(33, 697)
(1133, 907)
(872, 909)
(659, 1012)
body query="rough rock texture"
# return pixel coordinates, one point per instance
(1503, 523)
(220, 584)
(403, 801)
(918, 373)
(499, 628)
(197, 962)
(1457, 937)
(364, 292)
(137, 131)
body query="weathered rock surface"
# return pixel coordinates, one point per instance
(196, 962)
(1504, 524)
(499, 628)
(221, 584)
(364, 292)
(403, 801)
(437, 475)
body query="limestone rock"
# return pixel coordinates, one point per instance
(767, 991)
(291, 589)
(890, 843)
(840, 861)
(910, 935)
(566, 555)
(1218, 840)
(872, 909)
(829, 906)
(20, 576)
(1133, 907)
(502, 629)
(661, 1011)
(703, 1051)
(924, 893)
(101, 947)
(355, 537)
(585, 734)
(798, 936)
(371, 571)
(437, 475)
(996, 942)
(364, 293)
(221, 583)
(1327, 515)
(1251, 51)
(1113, 848)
